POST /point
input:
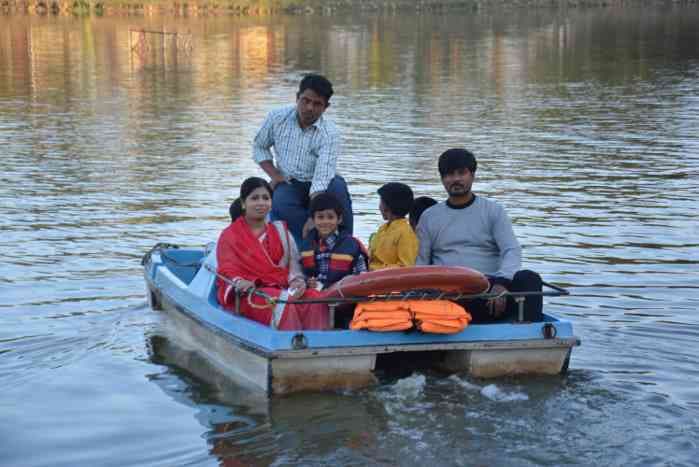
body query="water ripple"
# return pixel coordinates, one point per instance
(585, 127)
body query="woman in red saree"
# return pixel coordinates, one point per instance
(253, 253)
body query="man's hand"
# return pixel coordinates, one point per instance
(274, 174)
(276, 181)
(496, 306)
(307, 227)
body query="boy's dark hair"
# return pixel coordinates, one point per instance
(324, 201)
(317, 83)
(398, 197)
(419, 206)
(456, 159)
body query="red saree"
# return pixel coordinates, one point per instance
(241, 254)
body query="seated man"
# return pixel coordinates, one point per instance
(394, 245)
(473, 231)
(306, 146)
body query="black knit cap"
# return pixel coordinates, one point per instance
(398, 197)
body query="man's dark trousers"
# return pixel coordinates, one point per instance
(290, 204)
(523, 281)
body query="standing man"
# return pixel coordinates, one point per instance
(476, 232)
(306, 146)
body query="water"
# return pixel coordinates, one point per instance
(585, 124)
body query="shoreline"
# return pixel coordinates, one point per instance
(187, 8)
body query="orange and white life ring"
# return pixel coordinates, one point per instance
(445, 278)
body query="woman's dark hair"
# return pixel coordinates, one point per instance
(317, 83)
(249, 185)
(456, 159)
(236, 209)
(324, 201)
(420, 204)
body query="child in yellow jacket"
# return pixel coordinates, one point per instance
(395, 243)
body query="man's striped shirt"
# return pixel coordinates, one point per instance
(308, 155)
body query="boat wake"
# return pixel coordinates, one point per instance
(491, 391)
(496, 394)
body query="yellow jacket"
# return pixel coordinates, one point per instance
(393, 245)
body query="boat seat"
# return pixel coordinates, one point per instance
(204, 282)
(183, 263)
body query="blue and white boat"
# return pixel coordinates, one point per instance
(181, 283)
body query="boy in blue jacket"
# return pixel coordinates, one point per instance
(328, 252)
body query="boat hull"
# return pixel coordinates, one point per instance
(271, 372)
(283, 362)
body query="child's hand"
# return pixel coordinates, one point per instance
(312, 283)
(307, 227)
(297, 288)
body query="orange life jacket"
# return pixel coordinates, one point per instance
(438, 316)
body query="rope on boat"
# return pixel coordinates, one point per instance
(160, 247)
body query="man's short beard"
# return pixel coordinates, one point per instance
(463, 191)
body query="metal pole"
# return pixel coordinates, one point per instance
(520, 308)
(331, 315)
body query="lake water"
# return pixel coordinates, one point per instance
(586, 127)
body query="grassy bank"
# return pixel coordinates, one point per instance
(223, 7)
(276, 7)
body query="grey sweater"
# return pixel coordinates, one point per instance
(478, 236)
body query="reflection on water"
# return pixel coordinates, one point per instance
(585, 126)
(431, 418)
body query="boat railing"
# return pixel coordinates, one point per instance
(421, 294)
(332, 302)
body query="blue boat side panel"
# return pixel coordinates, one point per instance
(256, 334)
(199, 301)
(473, 333)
